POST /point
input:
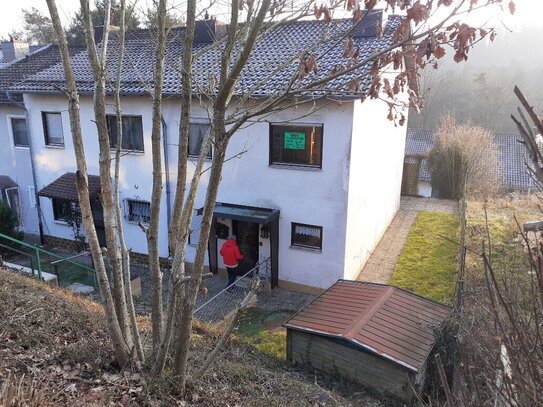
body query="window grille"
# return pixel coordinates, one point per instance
(138, 211)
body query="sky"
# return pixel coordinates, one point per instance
(528, 13)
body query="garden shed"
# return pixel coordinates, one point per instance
(373, 334)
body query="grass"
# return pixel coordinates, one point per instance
(252, 331)
(429, 261)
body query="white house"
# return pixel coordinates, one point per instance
(16, 176)
(312, 188)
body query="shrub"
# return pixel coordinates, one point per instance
(9, 225)
(464, 159)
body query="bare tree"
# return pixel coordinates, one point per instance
(415, 43)
(464, 159)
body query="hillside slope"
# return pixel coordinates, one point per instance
(54, 351)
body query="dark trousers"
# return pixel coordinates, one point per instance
(232, 274)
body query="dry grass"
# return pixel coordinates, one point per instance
(54, 351)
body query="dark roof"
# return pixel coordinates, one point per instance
(512, 158)
(384, 320)
(18, 71)
(267, 60)
(64, 187)
(6, 182)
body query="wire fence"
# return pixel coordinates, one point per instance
(226, 301)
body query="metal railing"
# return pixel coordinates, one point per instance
(222, 304)
(65, 268)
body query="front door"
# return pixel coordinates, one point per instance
(247, 239)
(98, 216)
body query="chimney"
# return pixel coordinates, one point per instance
(209, 30)
(14, 50)
(98, 33)
(371, 25)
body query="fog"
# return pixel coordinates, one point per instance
(481, 89)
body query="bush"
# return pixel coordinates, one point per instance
(9, 225)
(464, 159)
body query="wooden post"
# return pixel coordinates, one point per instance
(443, 379)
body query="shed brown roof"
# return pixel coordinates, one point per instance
(385, 320)
(64, 187)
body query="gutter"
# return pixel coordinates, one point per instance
(166, 170)
(32, 164)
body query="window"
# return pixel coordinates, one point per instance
(11, 197)
(195, 226)
(138, 211)
(132, 132)
(296, 145)
(65, 210)
(18, 130)
(197, 133)
(52, 129)
(308, 236)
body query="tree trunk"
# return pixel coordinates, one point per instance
(156, 197)
(122, 350)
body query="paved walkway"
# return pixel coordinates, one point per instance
(382, 262)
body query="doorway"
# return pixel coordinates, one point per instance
(98, 216)
(248, 241)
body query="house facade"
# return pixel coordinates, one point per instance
(310, 188)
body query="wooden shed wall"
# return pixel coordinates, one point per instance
(331, 356)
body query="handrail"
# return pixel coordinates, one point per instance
(39, 249)
(69, 258)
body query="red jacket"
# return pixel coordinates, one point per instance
(230, 253)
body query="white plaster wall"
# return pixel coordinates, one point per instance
(52, 162)
(377, 153)
(316, 197)
(424, 188)
(15, 163)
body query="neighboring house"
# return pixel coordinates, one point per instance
(313, 188)
(16, 177)
(512, 160)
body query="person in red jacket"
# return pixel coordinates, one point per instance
(231, 256)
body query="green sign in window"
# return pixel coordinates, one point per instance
(294, 141)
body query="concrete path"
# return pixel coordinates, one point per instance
(382, 262)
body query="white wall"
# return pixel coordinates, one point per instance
(311, 196)
(52, 162)
(375, 177)
(15, 163)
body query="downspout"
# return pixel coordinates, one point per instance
(166, 170)
(32, 163)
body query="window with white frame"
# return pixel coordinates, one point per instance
(195, 226)
(132, 128)
(307, 236)
(18, 131)
(11, 198)
(52, 128)
(197, 133)
(138, 211)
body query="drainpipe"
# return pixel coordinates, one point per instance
(32, 164)
(166, 169)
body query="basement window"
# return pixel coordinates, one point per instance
(306, 236)
(138, 211)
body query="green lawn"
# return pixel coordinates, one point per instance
(260, 329)
(429, 261)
